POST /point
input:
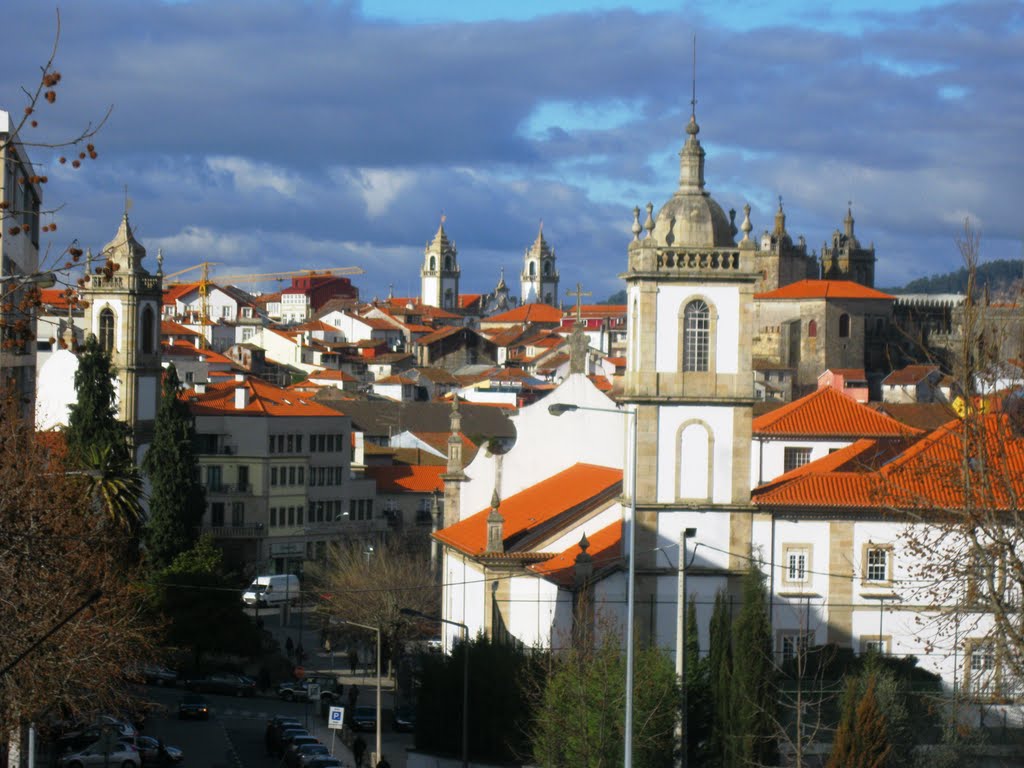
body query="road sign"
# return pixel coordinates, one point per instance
(313, 692)
(299, 673)
(336, 717)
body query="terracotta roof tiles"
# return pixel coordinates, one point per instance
(403, 478)
(826, 414)
(824, 289)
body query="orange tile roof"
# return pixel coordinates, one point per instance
(533, 510)
(848, 374)
(315, 325)
(328, 374)
(264, 400)
(528, 313)
(171, 328)
(55, 297)
(824, 289)
(825, 414)
(928, 477)
(605, 549)
(175, 291)
(404, 478)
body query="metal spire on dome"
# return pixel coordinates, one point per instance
(691, 156)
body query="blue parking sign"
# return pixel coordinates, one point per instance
(336, 717)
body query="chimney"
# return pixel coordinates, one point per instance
(241, 397)
(200, 388)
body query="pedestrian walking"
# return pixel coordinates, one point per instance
(353, 695)
(353, 659)
(289, 647)
(358, 750)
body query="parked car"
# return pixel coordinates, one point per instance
(80, 736)
(122, 755)
(299, 690)
(323, 762)
(273, 590)
(290, 757)
(285, 739)
(364, 718)
(403, 718)
(149, 751)
(193, 706)
(276, 726)
(309, 752)
(223, 682)
(155, 674)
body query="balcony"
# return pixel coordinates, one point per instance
(229, 489)
(250, 531)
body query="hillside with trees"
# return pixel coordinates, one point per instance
(1002, 279)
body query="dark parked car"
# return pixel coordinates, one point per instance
(226, 683)
(285, 739)
(149, 750)
(310, 752)
(364, 718)
(403, 718)
(155, 674)
(276, 726)
(290, 756)
(323, 762)
(193, 706)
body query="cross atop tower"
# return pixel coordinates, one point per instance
(579, 293)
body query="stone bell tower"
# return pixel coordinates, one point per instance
(439, 275)
(123, 313)
(539, 279)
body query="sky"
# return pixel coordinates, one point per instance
(269, 135)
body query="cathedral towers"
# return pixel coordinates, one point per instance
(439, 275)
(539, 279)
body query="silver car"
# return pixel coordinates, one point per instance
(122, 755)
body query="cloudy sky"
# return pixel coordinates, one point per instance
(285, 134)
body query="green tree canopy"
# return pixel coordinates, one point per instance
(176, 499)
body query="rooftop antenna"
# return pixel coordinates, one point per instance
(693, 94)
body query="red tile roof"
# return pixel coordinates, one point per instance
(54, 297)
(528, 313)
(264, 400)
(824, 289)
(404, 478)
(911, 374)
(327, 374)
(826, 414)
(605, 549)
(171, 328)
(175, 291)
(315, 325)
(576, 489)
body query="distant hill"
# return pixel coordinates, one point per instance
(1002, 277)
(619, 297)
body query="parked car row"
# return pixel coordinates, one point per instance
(287, 740)
(111, 742)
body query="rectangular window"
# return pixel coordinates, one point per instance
(214, 478)
(273, 517)
(322, 440)
(298, 443)
(338, 475)
(877, 564)
(302, 475)
(795, 457)
(243, 479)
(322, 474)
(273, 476)
(237, 513)
(280, 443)
(875, 645)
(797, 565)
(271, 443)
(794, 644)
(291, 443)
(217, 514)
(298, 515)
(291, 515)
(351, 509)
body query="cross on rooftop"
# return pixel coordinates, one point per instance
(579, 293)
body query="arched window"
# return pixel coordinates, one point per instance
(844, 326)
(547, 267)
(696, 336)
(433, 263)
(533, 268)
(694, 461)
(147, 331)
(447, 263)
(812, 329)
(107, 330)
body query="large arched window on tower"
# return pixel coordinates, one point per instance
(533, 268)
(448, 263)
(547, 267)
(844, 326)
(696, 336)
(432, 264)
(147, 331)
(106, 337)
(812, 329)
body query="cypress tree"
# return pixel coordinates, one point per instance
(176, 497)
(752, 719)
(862, 739)
(92, 420)
(719, 675)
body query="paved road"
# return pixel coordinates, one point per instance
(233, 736)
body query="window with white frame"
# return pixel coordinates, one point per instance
(877, 564)
(797, 564)
(875, 645)
(793, 644)
(696, 336)
(794, 457)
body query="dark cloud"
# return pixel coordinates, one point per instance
(272, 132)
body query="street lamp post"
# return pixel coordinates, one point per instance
(377, 630)
(465, 675)
(557, 410)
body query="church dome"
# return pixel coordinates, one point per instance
(691, 218)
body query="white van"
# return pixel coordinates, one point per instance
(271, 590)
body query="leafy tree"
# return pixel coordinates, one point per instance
(97, 442)
(719, 679)
(861, 740)
(54, 559)
(176, 499)
(201, 605)
(501, 678)
(581, 717)
(752, 721)
(372, 588)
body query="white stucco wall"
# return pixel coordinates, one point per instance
(55, 390)
(546, 444)
(719, 422)
(768, 457)
(725, 306)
